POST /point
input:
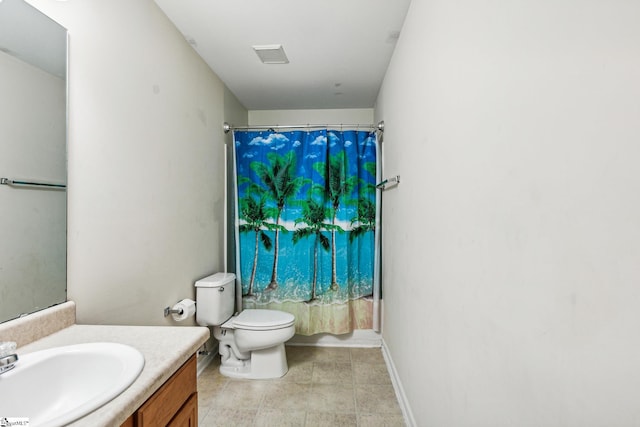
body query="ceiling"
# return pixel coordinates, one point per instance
(338, 50)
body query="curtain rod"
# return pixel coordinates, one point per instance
(227, 127)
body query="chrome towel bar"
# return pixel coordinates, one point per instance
(13, 182)
(393, 181)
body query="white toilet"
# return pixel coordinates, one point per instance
(251, 343)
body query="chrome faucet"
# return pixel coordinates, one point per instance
(8, 356)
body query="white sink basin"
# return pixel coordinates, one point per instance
(57, 386)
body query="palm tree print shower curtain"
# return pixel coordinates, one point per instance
(306, 224)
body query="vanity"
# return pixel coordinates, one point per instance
(165, 392)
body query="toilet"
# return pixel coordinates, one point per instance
(251, 343)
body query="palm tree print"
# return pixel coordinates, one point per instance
(338, 187)
(280, 185)
(255, 214)
(313, 215)
(366, 219)
(306, 241)
(366, 207)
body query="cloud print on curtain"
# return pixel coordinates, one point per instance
(306, 224)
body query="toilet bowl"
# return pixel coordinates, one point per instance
(251, 343)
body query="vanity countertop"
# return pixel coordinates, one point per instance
(165, 349)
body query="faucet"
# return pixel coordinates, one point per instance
(8, 356)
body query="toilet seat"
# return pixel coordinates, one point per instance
(262, 320)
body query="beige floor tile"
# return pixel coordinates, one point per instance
(332, 398)
(371, 373)
(203, 410)
(207, 382)
(241, 395)
(376, 399)
(205, 400)
(332, 373)
(211, 378)
(299, 372)
(328, 419)
(367, 355)
(325, 386)
(318, 354)
(298, 352)
(204, 384)
(331, 354)
(380, 420)
(280, 418)
(282, 395)
(227, 417)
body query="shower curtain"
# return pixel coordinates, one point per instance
(306, 223)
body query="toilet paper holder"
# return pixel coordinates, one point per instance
(181, 310)
(169, 310)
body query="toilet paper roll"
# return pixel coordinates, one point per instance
(184, 309)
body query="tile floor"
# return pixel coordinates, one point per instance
(325, 386)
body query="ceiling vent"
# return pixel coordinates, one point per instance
(271, 54)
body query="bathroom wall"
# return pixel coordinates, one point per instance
(512, 244)
(237, 115)
(321, 116)
(146, 162)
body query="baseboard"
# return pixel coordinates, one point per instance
(397, 386)
(205, 358)
(357, 338)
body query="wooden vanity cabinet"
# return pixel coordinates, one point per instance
(175, 404)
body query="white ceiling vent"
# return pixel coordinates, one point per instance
(271, 54)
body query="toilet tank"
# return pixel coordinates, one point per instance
(215, 299)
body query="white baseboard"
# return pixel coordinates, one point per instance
(357, 338)
(205, 358)
(397, 386)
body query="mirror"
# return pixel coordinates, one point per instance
(33, 116)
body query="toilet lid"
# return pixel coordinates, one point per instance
(257, 319)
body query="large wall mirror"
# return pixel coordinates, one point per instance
(33, 134)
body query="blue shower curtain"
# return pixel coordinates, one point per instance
(306, 220)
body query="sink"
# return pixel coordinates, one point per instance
(56, 386)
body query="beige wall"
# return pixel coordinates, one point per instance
(300, 117)
(235, 114)
(512, 245)
(146, 162)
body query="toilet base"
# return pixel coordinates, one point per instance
(264, 364)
